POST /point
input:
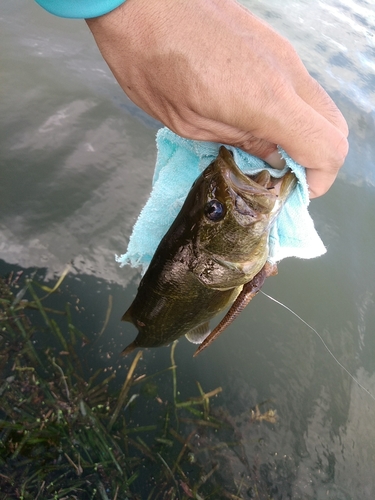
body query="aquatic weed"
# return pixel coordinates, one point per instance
(64, 435)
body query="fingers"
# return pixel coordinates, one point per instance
(296, 113)
(199, 128)
(307, 136)
(307, 88)
(317, 98)
(313, 133)
(275, 160)
(314, 142)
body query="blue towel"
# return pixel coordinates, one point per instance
(179, 162)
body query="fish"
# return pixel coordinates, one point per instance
(213, 256)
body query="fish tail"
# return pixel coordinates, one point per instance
(131, 347)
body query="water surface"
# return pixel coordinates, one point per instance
(76, 159)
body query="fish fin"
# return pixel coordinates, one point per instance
(127, 316)
(199, 333)
(131, 347)
(247, 293)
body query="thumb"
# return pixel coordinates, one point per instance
(307, 136)
(316, 143)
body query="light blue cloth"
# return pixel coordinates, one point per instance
(179, 163)
(79, 9)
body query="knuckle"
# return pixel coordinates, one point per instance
(343, 148)
(185, 130)
(255, 145)
(182, 126)
(341, 152)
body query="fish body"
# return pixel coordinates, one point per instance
(217, 243)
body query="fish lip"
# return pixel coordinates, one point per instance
(257, 200)
(238, 180)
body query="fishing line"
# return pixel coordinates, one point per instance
(323, 342)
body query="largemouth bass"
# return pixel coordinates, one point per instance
(213, 255)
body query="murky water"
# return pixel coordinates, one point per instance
(76, 161)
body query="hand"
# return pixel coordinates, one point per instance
(210, 70)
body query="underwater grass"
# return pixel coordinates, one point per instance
(66, 435)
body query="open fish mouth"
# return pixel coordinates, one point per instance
(272, 184)
(241, 182)
(252, 194)
(261, 183)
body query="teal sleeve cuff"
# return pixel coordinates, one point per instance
(79, 9)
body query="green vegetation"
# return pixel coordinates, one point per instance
(66, 435)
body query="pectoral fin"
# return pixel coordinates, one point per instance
(199, 333)
(249, 291)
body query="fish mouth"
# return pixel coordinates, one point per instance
(260, 183)
(258, 189)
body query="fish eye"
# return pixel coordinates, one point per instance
(214, 210)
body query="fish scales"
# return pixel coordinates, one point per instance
(217, 243)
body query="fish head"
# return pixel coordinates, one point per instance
(237, 210)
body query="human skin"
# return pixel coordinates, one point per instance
(210, 70)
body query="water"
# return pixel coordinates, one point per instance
(76, 165)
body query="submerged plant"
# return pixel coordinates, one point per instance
(66, 434)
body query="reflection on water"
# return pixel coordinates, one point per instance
(336, 40)
(76, 165)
